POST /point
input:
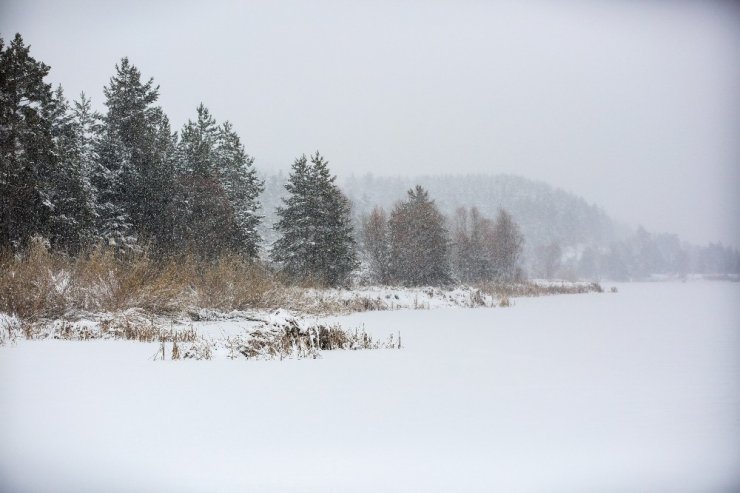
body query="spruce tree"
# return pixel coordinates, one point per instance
(207, 224)
(71, 225)
(196, 152)
(113, 223)
(315, 225)
(418, 241)
(87, 132)
(239, 180)
(27, 156)
(144, 161)
(219, 189)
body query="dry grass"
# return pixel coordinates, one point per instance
(290, 340)
(41, 285)
(44, 285)
(504, 291)
(33, 285)
(233, 283)
(132, 325)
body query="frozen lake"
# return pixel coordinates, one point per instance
(633, 391)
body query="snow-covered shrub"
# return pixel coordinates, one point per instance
(33, 284)
(200, 348)
(285, 337)
(10, 328)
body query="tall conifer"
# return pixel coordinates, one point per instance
(315, 225)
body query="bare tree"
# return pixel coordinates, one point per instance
(507, 243)
(374, 237)
(471, 245)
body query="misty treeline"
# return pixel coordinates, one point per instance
(124, 180)
(412, 244)
(641, 255)
(566, 238)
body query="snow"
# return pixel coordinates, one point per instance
(628, 391)
(395, 297)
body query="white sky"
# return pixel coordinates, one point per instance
(633, 105)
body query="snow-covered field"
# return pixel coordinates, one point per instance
(633, 391)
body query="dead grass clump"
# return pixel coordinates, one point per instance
(232, 283)
(290, 340)
(333, 337)
(40, 284)
(34, 284)
(132, 326)
(476, 298)
(103, 281)
(365, 304)
(199, 349)
(531, 289)
(142, 330)
(10, 328)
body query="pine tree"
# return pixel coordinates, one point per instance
(27, 155)
(163, 189)
(71, 225)
(196, 150)
(143, 163)
(219, 189)
(239, 180)
(315, 225)
(87, 132)
(418, 241)
(207, 225)
(113, 223)
(375, 244)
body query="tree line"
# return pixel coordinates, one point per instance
(641, 255)
(412, 244)
(124, 179)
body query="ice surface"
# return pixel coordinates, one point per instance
(633, 391)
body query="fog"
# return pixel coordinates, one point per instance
(633, 106)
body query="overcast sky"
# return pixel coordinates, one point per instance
(633, 105)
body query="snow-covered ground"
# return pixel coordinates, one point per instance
(633, 391)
